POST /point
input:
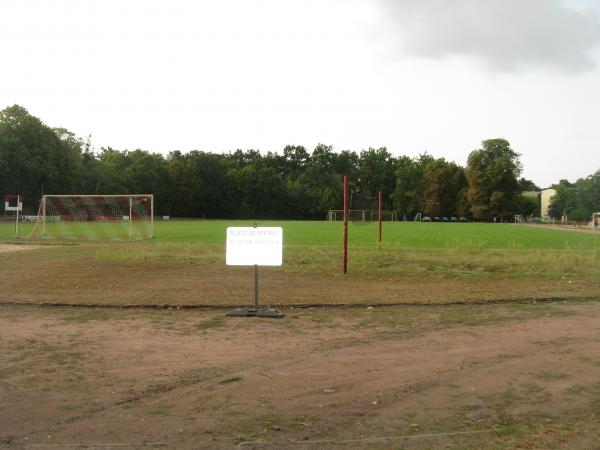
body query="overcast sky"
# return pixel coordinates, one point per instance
(412, 75)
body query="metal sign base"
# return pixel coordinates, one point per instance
(250, 312)
(256, 311)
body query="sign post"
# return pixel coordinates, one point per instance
(19, 208)
(254, 246)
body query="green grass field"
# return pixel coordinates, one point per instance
(396, 235)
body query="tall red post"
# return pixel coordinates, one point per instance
(345, 223)
(379, 206)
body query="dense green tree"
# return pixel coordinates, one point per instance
(527, 185)
(492, 173)
(35, 158)
(376, 174)
(576, 200)
(406, 197)
(296, 159)
(201, 185)
(442, 187)
(319, 187)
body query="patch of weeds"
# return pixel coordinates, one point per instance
(71, 407)
(306, 418)
(548, 375)
(129, 403)
(504, 443)
(592, 361)
(272, 418)
(212, 323)
(5, 372)
(66, 358)
(161, 409)
(230, 380)
(584, 389)
(77, 418)
(239, 438)
(163, 252)
(506, 426)
(500, 401)
(300, 421)
(534, 390)
(471, 407)
(91, 314)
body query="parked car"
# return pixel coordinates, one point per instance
(426, 219)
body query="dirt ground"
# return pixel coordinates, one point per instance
(478, 376)
(8, 248)
(559, 227)
(74, 275)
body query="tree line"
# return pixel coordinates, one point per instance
(295, 184)
(576, 201)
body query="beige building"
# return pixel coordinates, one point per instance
(547, 195)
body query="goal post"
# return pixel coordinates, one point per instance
(346, 210)
(128, 217)
(374, 213)
(379, 206)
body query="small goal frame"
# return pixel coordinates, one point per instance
(362, 215)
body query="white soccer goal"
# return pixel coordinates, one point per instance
(95, 217)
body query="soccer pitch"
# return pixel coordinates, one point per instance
(416, 263)
(396, 235)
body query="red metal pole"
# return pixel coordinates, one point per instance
(345, 223)
(379, 198)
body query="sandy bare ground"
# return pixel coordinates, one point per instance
(7, 248)
(514, 376)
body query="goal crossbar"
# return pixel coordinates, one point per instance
(98, 195)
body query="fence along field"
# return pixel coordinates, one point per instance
(417, 263)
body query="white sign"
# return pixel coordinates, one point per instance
(249, 246)
(17, 207)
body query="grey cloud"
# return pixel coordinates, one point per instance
(502, 34)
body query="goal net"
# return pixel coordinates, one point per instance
(95, 217)
(362, 210)
(361, 215)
